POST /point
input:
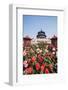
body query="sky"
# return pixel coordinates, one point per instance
(33, 24)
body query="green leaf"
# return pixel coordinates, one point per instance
(47, 60)
(35, 72)
(44, 52)
(24, 58)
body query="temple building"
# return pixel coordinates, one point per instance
(41, 34)
(41, 37)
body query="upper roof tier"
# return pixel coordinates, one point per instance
(41, 34)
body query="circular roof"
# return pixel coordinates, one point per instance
(41, 34)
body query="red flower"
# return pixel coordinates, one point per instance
(46, 71)
(37, 66)
(42, 67)
(33, 59)
(40, 58)
(29, 70)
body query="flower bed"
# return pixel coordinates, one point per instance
(39, 59)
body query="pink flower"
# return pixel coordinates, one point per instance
(40, 51)
(53, 53)
(24, 53)
(53, 49)
(51, 66)
(29, 70)
(25, 64)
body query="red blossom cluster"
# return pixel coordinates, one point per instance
(39, 59)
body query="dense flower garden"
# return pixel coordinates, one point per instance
(39, 59)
